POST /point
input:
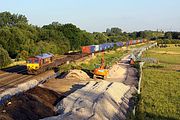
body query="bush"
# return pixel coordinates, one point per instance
(4, 58)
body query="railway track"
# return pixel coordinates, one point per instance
(10, 77)
(14, 82)
(13, 76)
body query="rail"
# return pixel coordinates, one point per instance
(23, 87)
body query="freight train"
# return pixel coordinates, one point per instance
(43, 62)
(105, 46)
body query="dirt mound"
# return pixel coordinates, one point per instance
(31, 105)
(77, 74)
(117, 71)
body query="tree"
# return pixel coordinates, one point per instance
(168, 35)
(4, 57)
(116, 31)
(8, 19)
(100, 38)
(113, 31)
(73, 33)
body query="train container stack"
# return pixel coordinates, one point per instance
(130, 42)
(92, 48)
(119, 44)
(85, 49)
(105, 46)
(111, 45)
(96, 49)
(134, 42)
(102, 47)
(137, 41)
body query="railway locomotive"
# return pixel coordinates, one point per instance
(35, 63)
(43, 62)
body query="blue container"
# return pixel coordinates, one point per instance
(119, 44)
(108, 45)
(102, 47)
(92, 48)
(127, 43)
(111, 45)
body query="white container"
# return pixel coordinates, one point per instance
(96, 48)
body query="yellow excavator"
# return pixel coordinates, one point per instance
(101, 72)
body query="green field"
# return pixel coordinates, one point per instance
(160, 96)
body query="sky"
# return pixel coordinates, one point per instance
(98, 15)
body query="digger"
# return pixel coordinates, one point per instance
(131, 62)
(132, 59)
(101, 72)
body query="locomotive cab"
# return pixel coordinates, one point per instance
(33, 63)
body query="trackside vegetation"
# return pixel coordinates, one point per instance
(5, 59)
(160, 96)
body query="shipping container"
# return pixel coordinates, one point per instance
(101, 47)
(106, 46)
(130, 42)
(127, 43)
(111, 45)
(85, 49)
(92, 48)
(96, 48)
(137, 41)
(119, 44)
(134, 42)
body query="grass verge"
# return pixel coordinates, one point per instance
(160, 96)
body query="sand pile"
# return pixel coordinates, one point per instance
(96, 101)
(117, 71)
(77, 74)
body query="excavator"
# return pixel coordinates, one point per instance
(101, 72)
(131, 61)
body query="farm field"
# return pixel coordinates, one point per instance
(160, 96)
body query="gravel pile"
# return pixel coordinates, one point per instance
(96, 101)
(77, 74)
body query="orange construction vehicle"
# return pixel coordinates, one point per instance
(132, 61)
(101, 72)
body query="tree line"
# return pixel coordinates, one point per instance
(19, 39)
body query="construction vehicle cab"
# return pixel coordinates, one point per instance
(132, 59)
(131, 62)
(101, 71)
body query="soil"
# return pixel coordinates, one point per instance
(31, 105)
(65, 86)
